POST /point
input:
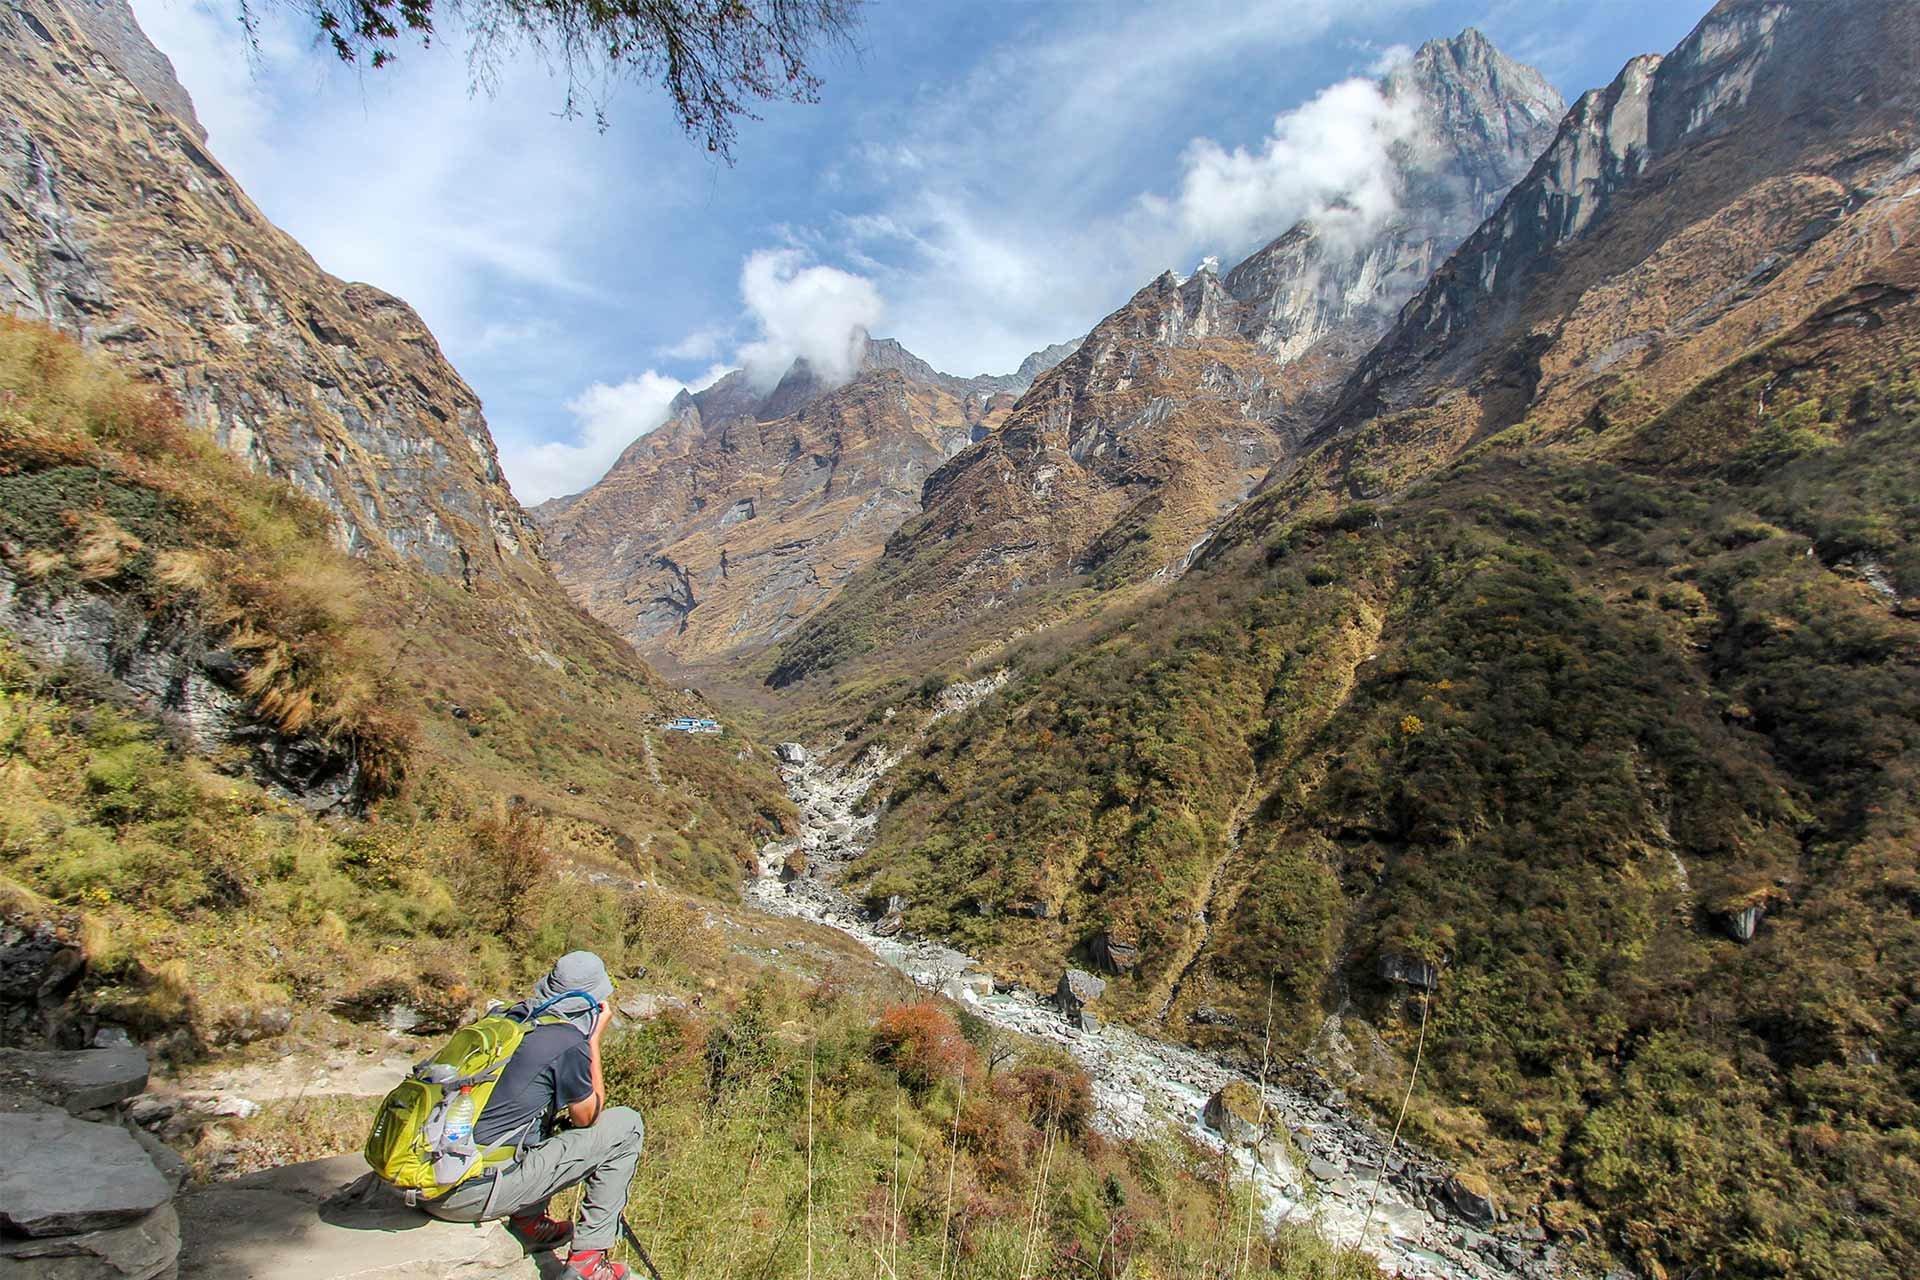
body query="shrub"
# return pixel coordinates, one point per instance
(925, 1045)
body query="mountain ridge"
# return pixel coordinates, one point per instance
(1120, 462)
(719, 531)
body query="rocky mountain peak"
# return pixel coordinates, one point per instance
(112, 29)
(741, 515)
(1118, 464)
(1752, 88)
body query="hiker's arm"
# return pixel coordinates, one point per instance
(587, 1110)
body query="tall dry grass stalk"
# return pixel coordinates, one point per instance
(953, 1160)
(1260, 1127)
(1393, 1142)
(813, 1054)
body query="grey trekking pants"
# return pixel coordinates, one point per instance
(602, 1156)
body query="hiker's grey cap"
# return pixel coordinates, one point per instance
(576, 971)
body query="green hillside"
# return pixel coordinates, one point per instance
(1547, 720)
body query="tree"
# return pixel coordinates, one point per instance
(715, 58)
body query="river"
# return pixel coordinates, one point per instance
(1322, 1170)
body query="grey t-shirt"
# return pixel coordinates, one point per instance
(550, 1071)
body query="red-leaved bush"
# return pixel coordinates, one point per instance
(923, 1043)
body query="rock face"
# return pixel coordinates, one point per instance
(1119, 461)
(166, 666)
(86, 1080)
(40, 965)
(1739, 184)
(117, 226)
(1741, 925)
(1113, 953)
(740, 517)
(1408, 971)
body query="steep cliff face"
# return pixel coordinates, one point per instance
(1120, 461)
(117, 226)
(743, 514)
(1740, 181)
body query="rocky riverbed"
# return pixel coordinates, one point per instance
(1316, 1160)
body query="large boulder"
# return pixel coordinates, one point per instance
(1076, 991)
(1473, 1199)
(1742, 923)
(81, 1080)
(63, 1176)
(794, 865)
(973, 985)
(791, 753)
(1235, 1112)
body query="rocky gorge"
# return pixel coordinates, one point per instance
(1308, 1154)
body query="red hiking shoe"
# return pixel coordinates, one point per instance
(541, 1232)
(594, 1264)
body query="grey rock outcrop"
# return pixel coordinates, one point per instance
(1114, 953)
(40, 965)
(1472, 1203)
(64, 1176)
(85, 1080)
(1741, 924)
(1408, 971)
(1078, 989)
(171, 669)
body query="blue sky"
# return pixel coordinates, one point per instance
(980, 178)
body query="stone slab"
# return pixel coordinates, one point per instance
(62, 1176)
(327, 1220)
(145, 1249)
(80, 1080)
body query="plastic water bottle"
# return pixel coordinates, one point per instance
(459, 1130)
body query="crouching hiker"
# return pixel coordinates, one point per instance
(514, 1110)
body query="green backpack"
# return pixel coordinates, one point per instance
(409, 1147)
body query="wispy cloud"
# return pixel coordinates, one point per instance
(607, 419)
(811, 312)
(1334, 160)
(1013, 213)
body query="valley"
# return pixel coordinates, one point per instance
(1395, 756)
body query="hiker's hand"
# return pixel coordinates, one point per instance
(600, 1021)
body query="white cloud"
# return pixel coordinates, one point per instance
(818, 313)
(1388, 58)
(1331, 160)
(1015, 209)
(607, 418)
(701, 344)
